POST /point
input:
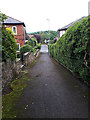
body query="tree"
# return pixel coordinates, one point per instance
(38, 37)
(43, 36)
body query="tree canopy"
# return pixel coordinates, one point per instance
(41, 36)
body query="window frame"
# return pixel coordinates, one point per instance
(13, 31)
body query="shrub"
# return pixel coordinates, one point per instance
(9, 45)
(32, 42)
(26, 48)
(72, 49)
(39, 46)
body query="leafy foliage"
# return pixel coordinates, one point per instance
(26, 48)
(3, 16)
(46, 34)
(72, 49)
(38, 37)
(38, 46)
(32, 42)
(9, 45)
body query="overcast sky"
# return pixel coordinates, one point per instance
(35, 12)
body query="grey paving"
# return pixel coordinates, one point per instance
(44, 49)
(52, 92)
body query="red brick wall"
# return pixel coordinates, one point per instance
(20, 37)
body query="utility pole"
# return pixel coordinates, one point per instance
(49, 33)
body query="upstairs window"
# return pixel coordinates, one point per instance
(14, 29)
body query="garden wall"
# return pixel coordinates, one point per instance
(11, 69)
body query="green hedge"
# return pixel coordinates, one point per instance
(9, 45)
(72, 49)
(26, 48)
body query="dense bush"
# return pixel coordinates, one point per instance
(9, 45)
(26, 48)
(72, 49)
(32, 42)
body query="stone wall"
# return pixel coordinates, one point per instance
(11, 69)
(28, 58)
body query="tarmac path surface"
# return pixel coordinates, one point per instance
(53, 92)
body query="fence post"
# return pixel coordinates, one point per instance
(21, 55)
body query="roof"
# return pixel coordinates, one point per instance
(10, 21)
(69, 25)
(30, 36)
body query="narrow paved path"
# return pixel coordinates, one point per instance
(53, 92)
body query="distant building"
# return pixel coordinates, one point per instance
(62, 30)
(31, 36)
(18, 29)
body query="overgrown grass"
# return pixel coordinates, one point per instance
(9, 100)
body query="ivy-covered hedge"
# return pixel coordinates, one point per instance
(72, 49)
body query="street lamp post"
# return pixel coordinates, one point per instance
(49, 33)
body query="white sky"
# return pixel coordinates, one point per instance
(35, 12)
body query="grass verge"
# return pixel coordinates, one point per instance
(10, 100)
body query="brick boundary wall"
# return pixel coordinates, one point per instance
(11, 69)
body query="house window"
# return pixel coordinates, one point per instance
(18, 46)
(14, 29)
